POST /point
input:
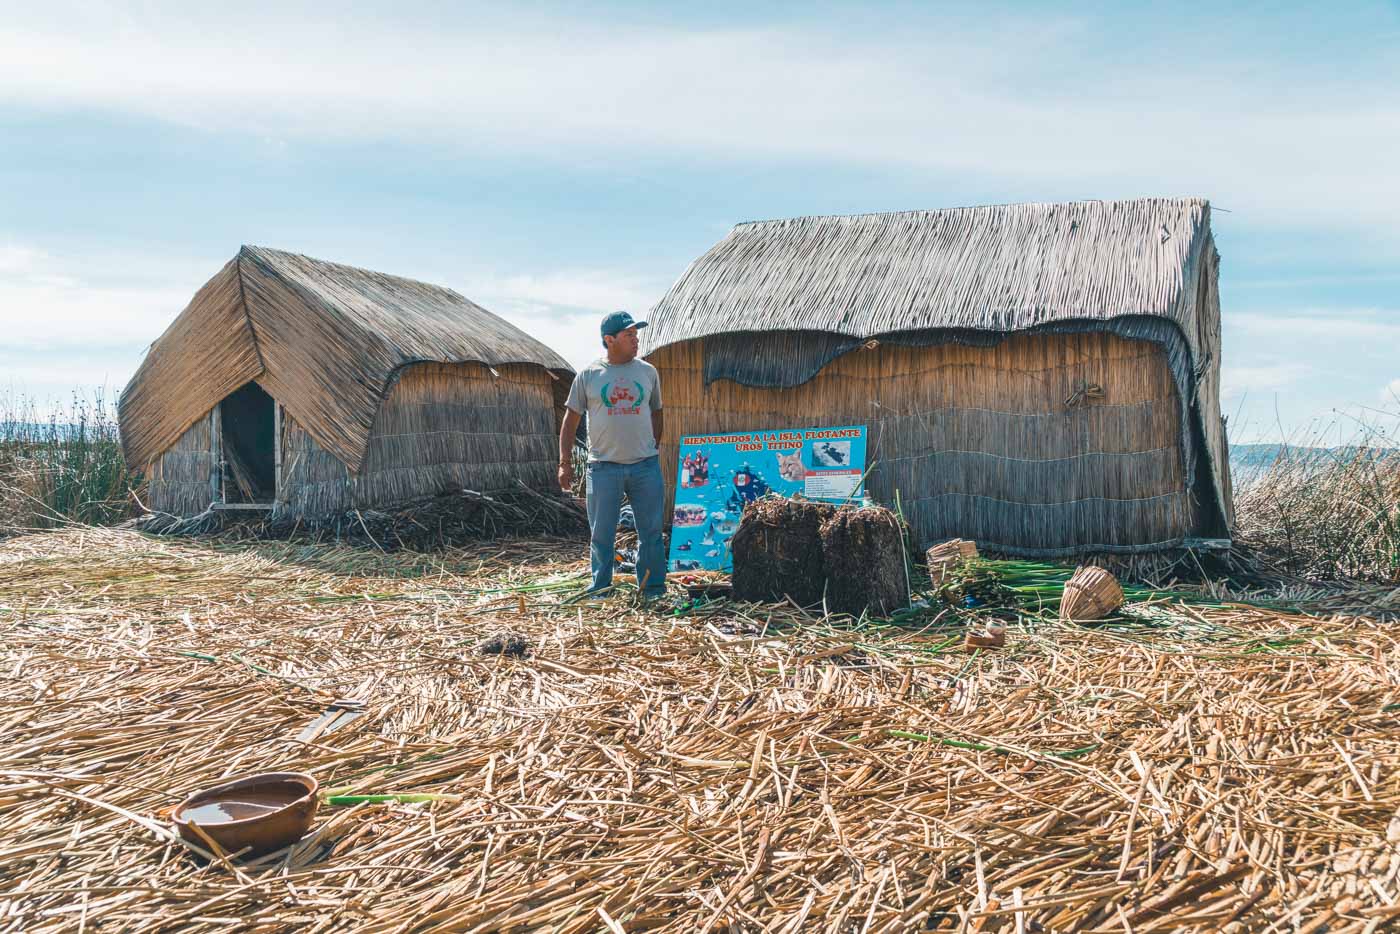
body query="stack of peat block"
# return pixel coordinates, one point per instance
(846, 559)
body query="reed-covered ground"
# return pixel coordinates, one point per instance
(1196, 765)
(1213, 760)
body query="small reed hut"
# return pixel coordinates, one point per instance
(309, 388)
(1042, 378)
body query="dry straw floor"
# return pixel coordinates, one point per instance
(1212, 770)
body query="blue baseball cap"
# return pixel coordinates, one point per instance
(619, 321)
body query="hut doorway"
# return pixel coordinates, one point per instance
(248, 432)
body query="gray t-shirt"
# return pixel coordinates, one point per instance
(618, 400)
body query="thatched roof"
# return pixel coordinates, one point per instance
(323, 339)
(999, 268)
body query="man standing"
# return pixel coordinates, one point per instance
(622, 398)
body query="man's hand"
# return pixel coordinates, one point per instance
(566, 477)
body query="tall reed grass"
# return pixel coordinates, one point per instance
(1327, 513)
(62, 465)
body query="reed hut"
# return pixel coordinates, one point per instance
(1041, 378)
(309, 388)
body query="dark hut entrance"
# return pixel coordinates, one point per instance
(248, 436)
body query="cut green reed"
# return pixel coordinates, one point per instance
(1037, 584)
(389, 798)
(986, 747)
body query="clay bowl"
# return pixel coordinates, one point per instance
(260, 813)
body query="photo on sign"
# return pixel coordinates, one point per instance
(687, 514)
(791, 468)
(831, 454)
(695, 469)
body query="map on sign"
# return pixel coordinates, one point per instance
(717, 474)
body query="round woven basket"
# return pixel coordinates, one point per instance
(1092, 593)
(945, 557)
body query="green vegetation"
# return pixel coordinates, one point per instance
(62, 465)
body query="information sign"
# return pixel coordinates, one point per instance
(717, 474)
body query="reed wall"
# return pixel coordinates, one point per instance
(442, 427)
(180, 477)
(995, 443)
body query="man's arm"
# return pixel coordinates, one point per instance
(567, 433)
(658, 422)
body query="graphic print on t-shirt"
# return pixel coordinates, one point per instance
(623, 399)
(618, 400)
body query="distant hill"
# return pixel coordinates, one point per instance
(1253, 458)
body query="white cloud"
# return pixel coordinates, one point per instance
(73, 323)
(39, 314)
(574, 334)
(1268, 137)
(1390, 395)
(1038, 106)
(1376, 328)
(1290, 370)
(1268, 377)
(96, 371)
(16, 260)
(48, 301)
(595, 290)
(564, 308)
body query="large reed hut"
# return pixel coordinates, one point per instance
(1043, 378)
(309, 388)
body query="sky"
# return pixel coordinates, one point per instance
(557, 161)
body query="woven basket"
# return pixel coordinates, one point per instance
(1091, 593)
(947, 556)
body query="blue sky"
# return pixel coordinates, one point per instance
(556, 161)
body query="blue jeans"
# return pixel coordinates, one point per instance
(647, 492)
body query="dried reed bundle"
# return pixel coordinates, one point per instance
(1090, 593)
(847, 559)
(420, 524)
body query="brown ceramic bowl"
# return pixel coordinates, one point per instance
(260, 813)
